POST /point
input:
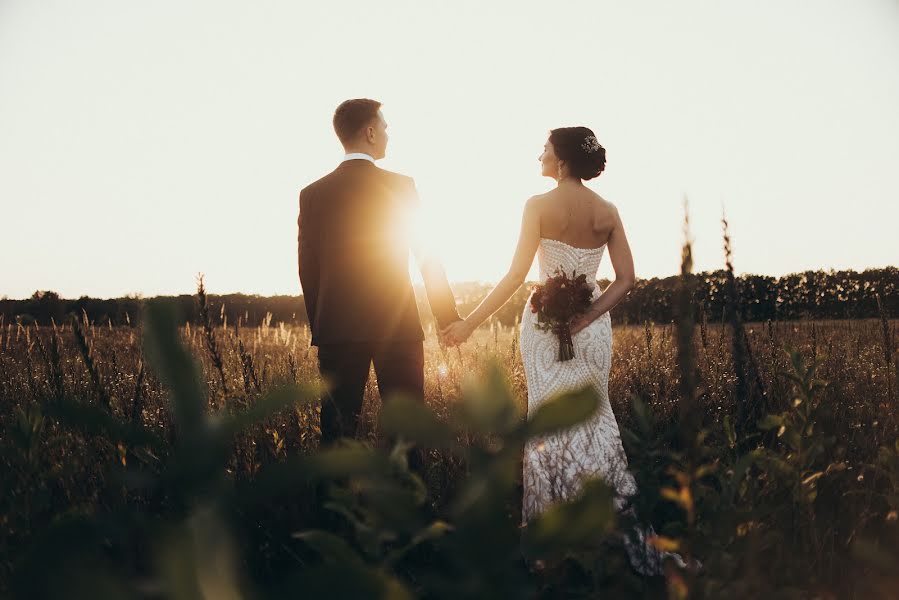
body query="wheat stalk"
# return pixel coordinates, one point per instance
(209, 334)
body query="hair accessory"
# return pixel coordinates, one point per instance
(591, 144)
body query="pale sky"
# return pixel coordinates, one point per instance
(144, 142)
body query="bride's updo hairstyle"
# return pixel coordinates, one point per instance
(578, 147)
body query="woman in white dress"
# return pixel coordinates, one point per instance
(571, 227)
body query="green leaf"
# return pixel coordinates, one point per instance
(770, 422)
(563, 412)
(269, 405)
(739, 470)
(337, 582)
(778, 465)
(331, 548)
(413, 420)
(488, 405)
(812, 478)
(641, 415)
(568, 526)
(730, 431)
(351, 460)
(174, 365)
(435, 530)
(629, 438)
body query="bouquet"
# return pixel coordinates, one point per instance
(559, 299)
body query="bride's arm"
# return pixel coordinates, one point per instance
(528, 240)
(623, 264)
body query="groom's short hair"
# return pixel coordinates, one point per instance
(352, 116)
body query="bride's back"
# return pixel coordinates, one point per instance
(576, 216)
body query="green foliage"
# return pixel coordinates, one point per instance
(804, 450)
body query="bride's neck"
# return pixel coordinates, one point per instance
(568, 181)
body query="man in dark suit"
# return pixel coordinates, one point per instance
(355, 236)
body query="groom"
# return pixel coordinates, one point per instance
(354, 243)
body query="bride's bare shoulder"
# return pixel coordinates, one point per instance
(537, 202)
(605, 205)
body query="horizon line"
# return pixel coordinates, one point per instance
(419, 284)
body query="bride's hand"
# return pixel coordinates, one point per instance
(581, 322)
(456, 333)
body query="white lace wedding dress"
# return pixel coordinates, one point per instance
(556, 465)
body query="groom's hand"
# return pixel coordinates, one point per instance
(446, 339)
(441, 336)
(455, 333)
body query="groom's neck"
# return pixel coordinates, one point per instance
(358, 150)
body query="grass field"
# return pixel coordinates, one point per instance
(784, 538)
(861, 380)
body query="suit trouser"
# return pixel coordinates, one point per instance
(399, 368)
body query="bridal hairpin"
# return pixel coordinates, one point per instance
(591, 144)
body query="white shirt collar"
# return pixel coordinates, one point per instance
(358, 156)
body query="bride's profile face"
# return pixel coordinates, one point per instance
(548, 161)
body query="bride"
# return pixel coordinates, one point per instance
(571, 227)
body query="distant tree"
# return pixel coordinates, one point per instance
(46, 305)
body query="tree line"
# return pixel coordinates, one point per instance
(809, 295)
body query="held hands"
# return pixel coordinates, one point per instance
(458, 332)
(455, 333)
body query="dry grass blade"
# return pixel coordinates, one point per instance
(209, 334)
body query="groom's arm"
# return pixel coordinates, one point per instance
(440, 295)
(307, 256)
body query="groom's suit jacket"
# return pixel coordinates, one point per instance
(354, 245)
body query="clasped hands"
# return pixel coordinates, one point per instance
(456, 332)
(459, 331)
